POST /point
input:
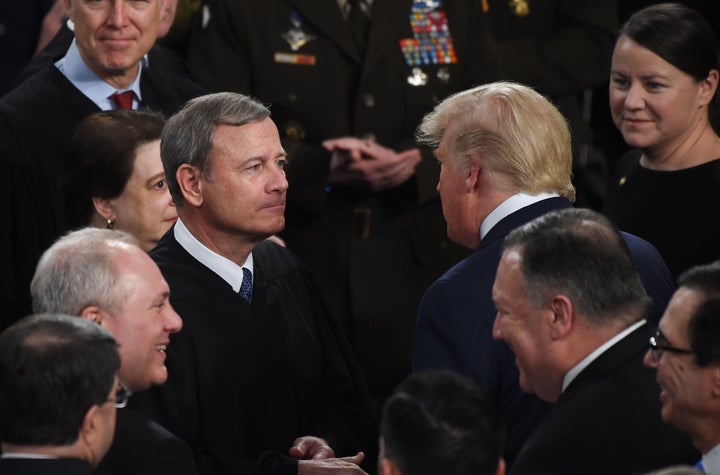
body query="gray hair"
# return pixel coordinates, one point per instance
(579, 253)
(188, 135)
(521, 137)
(78, 270)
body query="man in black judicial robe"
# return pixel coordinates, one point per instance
(38, 118)
(348, 218)
(261, 368)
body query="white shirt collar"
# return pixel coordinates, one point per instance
(22, 455)
(509, 206)
(711, 461)
(577, 369)
(93, 86)
(225, 268)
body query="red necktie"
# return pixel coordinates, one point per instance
(123, 100)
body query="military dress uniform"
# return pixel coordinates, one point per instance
(563, 49)
(373, 253)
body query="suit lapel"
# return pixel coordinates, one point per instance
(328, 20)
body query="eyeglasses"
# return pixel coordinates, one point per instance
(121, 397)
(659, 344)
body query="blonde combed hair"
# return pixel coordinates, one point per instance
(521, 139)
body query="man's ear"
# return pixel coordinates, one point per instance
(96, 431)
(93, 313)
(90, 432)
(105, 207)
(189, 179)
(716, 381)
(563, 316)
(388, 467)
(501, 467)
(473, 178)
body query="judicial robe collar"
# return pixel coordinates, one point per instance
(225, 268)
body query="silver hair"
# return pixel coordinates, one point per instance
(78, 270)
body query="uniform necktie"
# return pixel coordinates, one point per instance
(123, 100)
(246, 288)
(359, 22)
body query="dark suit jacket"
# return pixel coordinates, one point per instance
(245, 379)
(348, 92)
(64, 466)
(143, 447)
(456, 315)
(37, 120)
(607, 421)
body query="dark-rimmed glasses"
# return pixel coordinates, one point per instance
(659, 344)
(121, 397)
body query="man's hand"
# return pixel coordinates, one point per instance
(309, 447)
(333, 466)
(365, 164)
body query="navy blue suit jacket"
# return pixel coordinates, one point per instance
(455, 321)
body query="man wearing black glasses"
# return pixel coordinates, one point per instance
(685, 351)
(102, 275)
(571, 307)
(59, 383)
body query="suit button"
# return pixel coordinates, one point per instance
(368, 100)
(292, 97)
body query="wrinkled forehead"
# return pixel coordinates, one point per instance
(676, 319)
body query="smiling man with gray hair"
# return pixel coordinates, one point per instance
(103, 276)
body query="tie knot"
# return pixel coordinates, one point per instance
(123, 100)
(359, 22)
(246, 288)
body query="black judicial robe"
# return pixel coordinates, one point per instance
(37, 121)
(245, 379)
(346, 235)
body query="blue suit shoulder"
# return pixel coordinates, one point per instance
(654, 274)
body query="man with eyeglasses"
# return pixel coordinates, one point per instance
(103, 276)
(570, 305)
(58, 380)
(685, 351)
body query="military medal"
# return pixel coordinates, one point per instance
(431, 43)
(295, 36)
(521, 8)
(417, 78)
(443, 74)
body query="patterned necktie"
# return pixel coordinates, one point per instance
(359, 22)
(246, 288)
(123, 100)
